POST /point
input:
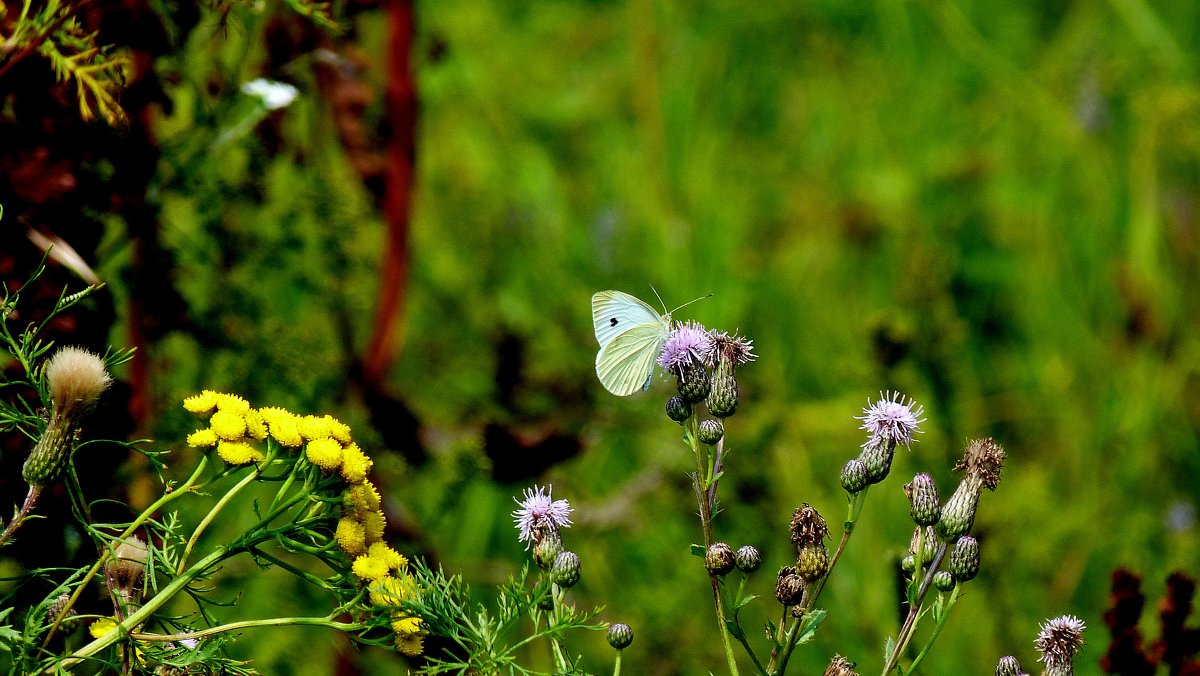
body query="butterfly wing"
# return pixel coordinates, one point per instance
(614, 313)
(625, 363)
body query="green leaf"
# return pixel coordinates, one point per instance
(697, 550)
(734, 630)
(743, 602)
(808, 626)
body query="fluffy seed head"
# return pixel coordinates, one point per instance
(76, 378)
(1058, 641)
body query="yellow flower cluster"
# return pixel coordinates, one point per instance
(327, 443)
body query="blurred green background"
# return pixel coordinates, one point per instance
(990, 207)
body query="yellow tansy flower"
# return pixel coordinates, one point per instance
(325, 453)
(228, 425)
(256, 427)
(369, 568)
(410, 644)
(359, 499)
(407, 625)
(394, 559)
(231, 403)
(338, 429)
(373, 524)
(202, 438)
(350, 536)
(312, 427)
(201, 403)
(283, 426)
(238, 452)
(355, 464)
(101, 627)
(389, 591)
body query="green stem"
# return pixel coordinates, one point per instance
(212, 514)
(910, 622)
(187, 487)
(937, 629)
(854, 511)
(247, 624)
(617, 665)
(706, 491)
(30, 502)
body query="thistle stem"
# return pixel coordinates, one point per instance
(910, 622)
(937, 629)
(30, 502)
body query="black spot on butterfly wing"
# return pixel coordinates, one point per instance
(612, 322)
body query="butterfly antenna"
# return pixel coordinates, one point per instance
(694, 300)
(660, 300)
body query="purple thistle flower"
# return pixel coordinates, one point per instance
(684, 346)
(539, 514)
(734, 349)
(1059, 640)
(892, 419)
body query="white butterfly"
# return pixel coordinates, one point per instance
(631, 336)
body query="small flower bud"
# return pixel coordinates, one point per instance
(964, 559)
(694, 384)
(718, 560)
(789, 587)
(125, 568)
(620, 636)
(854, 476)
(565, 570)
(908, 564)
(877, 456)
(57, 607)
(678, 409)
(1009, 666)
(927, 539)
(723, 397)
(922, 495)
(812, 562)
(547, 549)
(747, 559)
(711, 431)
(840, 666)
(943, 580)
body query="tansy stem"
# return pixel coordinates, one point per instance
(247, 624)
(185, 488)
(212, 514)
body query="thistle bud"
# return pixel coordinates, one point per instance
(840, 666)
(964, 559)
(57, 607)
(812, 561)
(711, 431)
(789, 587)
(908, 564)
(958, 515)
(854, 476)
(565, 570)
(747, 559)
(694, 384)
(125, 569)
(678, 409)
(547, 549)
(943, 580)
(807, 526)
(620, 636)
(1058, 641)
(877, 455)
(927, 540)
(723, 397)
(75, 378)
(1009, 666)
(719, 559)
(923, 498)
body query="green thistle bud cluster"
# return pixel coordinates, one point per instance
(703, 362)
(923, 497)
(75, 379)
(564, 572)
(747, 559)
(719, 559)
(620, 636)
(964, 559)
(943, 580)
(547, 548)
(723, 396)
(694, 383)
(877, 457)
